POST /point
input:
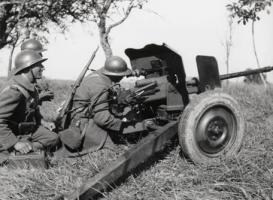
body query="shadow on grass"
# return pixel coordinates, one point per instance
(161, 155)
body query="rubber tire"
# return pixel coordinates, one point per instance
(191, 116)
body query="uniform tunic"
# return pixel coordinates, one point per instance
(101, 122)
(16, 106)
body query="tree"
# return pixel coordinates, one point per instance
(21, 18)
(248, 10)
(228, 42)
(35, 15)
(108, 14)
(32, 16)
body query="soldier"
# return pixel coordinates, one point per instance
(21, 127)
(32, 44)
(91, 120)
(44, 93)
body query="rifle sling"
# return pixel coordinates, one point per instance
(92, 106)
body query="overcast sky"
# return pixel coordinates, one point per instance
(195, 27)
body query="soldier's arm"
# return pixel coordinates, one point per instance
(103, 117)
(91, 88)
(9, 100)
(45, 96)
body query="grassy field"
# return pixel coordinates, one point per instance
(170, 175)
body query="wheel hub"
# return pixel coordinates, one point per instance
(214, 130)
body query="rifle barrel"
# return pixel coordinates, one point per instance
(68, 102)
(245, 73)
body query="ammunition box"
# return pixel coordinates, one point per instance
(27, 161)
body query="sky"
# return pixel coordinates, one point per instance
(192, 28)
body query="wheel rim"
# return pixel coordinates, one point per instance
(215, 130)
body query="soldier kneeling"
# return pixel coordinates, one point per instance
(91, 120)
(22, 128)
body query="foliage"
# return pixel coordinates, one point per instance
(24, 17)
(247, 10)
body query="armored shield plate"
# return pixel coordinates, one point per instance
(161, 60)
(208, 73)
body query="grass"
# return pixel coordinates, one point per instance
(170, 176)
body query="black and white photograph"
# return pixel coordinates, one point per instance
(136, 100)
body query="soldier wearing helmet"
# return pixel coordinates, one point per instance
(91, 120)
(44, 93)
(32, 44)
(20, 121)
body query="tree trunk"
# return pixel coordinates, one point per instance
(5, 15)
(228, 45)
(10, 59)
(104, 38)
(105, 44)
(255, 52)
(3, 25)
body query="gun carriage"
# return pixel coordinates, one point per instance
(165, 103)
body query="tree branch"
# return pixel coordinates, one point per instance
(107, 5)
(126, 14)
(10, 2)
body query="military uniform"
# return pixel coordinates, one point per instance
(19, 103)
(91, 123)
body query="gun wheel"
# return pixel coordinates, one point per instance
(211, 127)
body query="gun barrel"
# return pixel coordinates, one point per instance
(147, 87)
(245, 73)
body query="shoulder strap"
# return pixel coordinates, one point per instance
(94, 74)
(22, 90)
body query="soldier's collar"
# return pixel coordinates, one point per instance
(106, 78)
(24, 82)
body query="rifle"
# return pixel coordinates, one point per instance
(63, 115)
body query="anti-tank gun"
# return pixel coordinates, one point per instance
(208, 122)
(162, 67)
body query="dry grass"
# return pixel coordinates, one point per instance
(249, 176)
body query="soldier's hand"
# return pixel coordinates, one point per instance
(23, 147)
(125, 120)
(128, 120)
(129, 117)
(48, 125)
(46, 95)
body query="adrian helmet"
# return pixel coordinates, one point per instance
(32, 44)
(26, 59)
(115, 66)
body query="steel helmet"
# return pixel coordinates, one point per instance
(115, 66)
(32, 44)
(26, 59)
